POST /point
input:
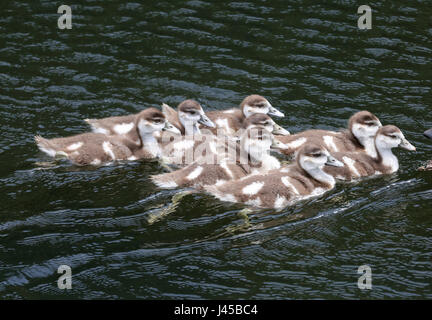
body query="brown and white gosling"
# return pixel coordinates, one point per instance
(362, 127)
(428, 166)
(357, 165)
(252, 157)
(188, 116)
(231, 120)
(190, 113)
(97, 148)
(285, 186)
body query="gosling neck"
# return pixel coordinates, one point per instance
(150, 143)
(318, 174)
(191, 127)
(369, 146)
(387, 158)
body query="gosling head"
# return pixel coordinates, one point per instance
(389, 137)
(263, 120)
(364, 125)
(190, 112)
(313, 156)
(256, 141)
(258, 104)
(152, 120)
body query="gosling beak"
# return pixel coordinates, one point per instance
(206, 121)
(406, 145)
(332, 161)
(275, 112)
(428, 133)
(170, 128)
(276, 144)
(277, 129)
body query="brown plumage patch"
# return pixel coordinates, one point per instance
(362, 117)
(253, 100)
(312, 149)
(256, 119)
(388, 130)
(189, 106)
(151, 114)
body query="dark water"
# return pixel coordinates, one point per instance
(309, 59)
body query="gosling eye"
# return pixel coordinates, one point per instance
(192, 112)
(370, 123)
(317, 155)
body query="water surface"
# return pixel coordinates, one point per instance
(307, 57)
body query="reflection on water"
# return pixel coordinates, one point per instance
(107, 223)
